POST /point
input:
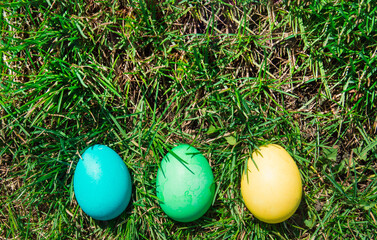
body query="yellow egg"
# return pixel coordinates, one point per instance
(271, 188)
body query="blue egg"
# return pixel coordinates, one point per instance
(102, 183)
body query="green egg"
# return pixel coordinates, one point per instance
(185, 184)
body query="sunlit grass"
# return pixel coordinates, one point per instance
(226, 77)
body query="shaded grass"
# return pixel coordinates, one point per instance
(141, 77)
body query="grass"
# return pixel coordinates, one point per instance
(225, 76)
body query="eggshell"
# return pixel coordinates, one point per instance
(102, 183)
(185, 184)
(271, 188)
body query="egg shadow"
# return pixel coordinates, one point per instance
(117, 221)
(301, 213)
(297, 219)
(192, 227)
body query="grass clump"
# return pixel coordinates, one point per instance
(224, 76)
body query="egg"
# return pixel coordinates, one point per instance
(185, 185)
(102, 183)
(271, 187)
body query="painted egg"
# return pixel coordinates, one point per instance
(185, 184)
(102, 183)
(271, 187)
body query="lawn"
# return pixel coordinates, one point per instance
(142, 76)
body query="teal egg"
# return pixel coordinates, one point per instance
(102, 183)
(185, 184)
